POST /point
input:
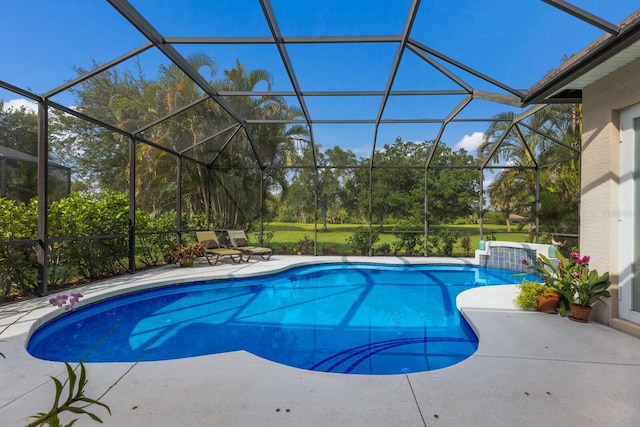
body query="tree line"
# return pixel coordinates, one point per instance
(339, 189)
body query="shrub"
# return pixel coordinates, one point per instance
(152, 247)
(329, 250)
(267, 236)
(408, 237)
(304, 246)
(80, 215)
(384, 249)
(17, 221)
(465, 242)
(527, 299)
(443, 241)
(359, 242)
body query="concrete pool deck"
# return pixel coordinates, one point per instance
(531, 369)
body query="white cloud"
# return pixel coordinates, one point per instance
(470, 142)
(16, 104)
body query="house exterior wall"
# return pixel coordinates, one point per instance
(602, 102)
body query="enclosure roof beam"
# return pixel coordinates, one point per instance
(408, 25)
(520, 117)
(109, 127)
(446, 121)
(509, 167)
(146, 29)
(209, 138)
(498, 98)
(549, 137)
(366, 121)
(224, 146)
(19, 91)
(496, 146)
(343, 93)
(171, 114)
(284, 55)
(283, 40)
(460, 65)
(457, 80)
(584, 16)
(416, 167)
(526, 146)
(90, 119)
(97, 70)
(116, 130)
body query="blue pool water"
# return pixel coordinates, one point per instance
(343, 318)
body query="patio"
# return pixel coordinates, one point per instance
(530, 369)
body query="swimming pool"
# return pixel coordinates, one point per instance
(343, 318)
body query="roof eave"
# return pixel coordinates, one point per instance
(550, 88)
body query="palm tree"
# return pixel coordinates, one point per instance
(534, 146)
(275, 142)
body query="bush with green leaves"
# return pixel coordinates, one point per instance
(267, 236)
(359, 242)
(17, 272)
(81, 215)
(383, 249)
(527, 299)
(156, 236)
(442, 242)
(409, 238)
(304, 246)
(77, 250)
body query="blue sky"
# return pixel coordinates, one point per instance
(516, 45)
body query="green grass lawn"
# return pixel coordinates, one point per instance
(287, 236)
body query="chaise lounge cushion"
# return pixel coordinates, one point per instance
(210, 244)
(239, 241)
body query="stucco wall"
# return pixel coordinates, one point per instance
(601, 105)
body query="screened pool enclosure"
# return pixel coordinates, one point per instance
(377, 119)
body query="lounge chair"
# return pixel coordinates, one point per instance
(240, 242)
(214, 249)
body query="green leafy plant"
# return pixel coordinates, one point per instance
(266, 237)
(329, 250)
(408, 234)
(591, 288)
(155, 236)
(359, 242)
(76, 402)
(383, 248)
(443, 242)
(527, 299)
(84, 215)
(573, 279)
(304, 246)
(17, 221)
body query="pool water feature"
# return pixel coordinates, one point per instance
(342, 318)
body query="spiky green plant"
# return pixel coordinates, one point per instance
(76, 401)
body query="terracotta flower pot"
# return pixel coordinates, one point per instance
(579, 314)
(549, 304)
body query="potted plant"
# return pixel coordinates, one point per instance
(184, 254)
(580, 287)
(588, 287)
(537, 296)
